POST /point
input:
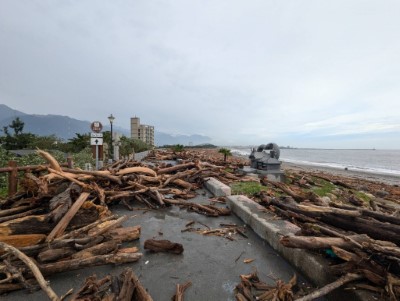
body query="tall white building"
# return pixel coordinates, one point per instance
(142, 132)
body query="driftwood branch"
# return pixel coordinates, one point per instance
(35, 271)
(180, 290)
(330, 287)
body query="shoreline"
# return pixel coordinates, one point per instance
(358, 174)
(369, 176)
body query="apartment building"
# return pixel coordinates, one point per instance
(142, 132)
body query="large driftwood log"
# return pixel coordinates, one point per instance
(106, 226)
(176, 168)
(74, 264)
(37, 224)
(125, 234)
(50, 255)
(63, 224)
(16, 210)
(35, 211)
(137, 169)
(60, 203)
(106, 247)
(372, 228)
(104, 174)
(23, 240)
(312, 242)
(77, 232)
(386, 218)
(69, 177)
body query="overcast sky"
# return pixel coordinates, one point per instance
(300, 73)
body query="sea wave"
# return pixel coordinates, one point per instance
(332, 159)
(381, 171)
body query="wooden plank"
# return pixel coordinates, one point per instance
(64, 222)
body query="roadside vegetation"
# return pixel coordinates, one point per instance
(13, 137)
(247, 188)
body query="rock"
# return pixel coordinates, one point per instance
(325, 200)
(331, 196)
(363, 188)
(381, 193)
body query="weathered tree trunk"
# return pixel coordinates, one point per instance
(176, 168)
(107, 247)
(125, 234)
(50, 255)
(37, 224)
(74, 264)
(23, 240)
(308, 242)
(163, 246)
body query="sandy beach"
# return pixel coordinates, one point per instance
(381, 178)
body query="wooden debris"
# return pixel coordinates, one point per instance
(62, 225)
(180, 290)
(163, 245)
(251, 288)
(330, 287)
(128, 288)
(362, 233)
(33, 268)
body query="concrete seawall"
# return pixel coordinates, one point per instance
(266, 225)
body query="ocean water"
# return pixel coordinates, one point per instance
(386, 162)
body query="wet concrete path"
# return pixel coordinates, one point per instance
(210, 262)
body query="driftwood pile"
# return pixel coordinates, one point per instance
(356, 224)
(252, 288)
(60, 219)
(125, 286)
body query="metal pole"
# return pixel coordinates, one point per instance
(97, 157)
(111, 144)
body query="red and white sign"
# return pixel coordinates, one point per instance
(96, 126)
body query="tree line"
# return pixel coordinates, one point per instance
(14, 138)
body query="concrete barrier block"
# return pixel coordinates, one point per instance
(216, 187)
(271, 229)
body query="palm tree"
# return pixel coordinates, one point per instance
(226, 152)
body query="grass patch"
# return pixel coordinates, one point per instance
(247, 188)
(362, 196)
(326, 187)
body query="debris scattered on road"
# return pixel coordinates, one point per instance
(163, 245)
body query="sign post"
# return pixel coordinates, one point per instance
(96, 138)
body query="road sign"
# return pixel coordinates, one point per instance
(96, 141)
(96, 126)
(96, 135)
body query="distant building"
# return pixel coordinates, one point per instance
(142, 131)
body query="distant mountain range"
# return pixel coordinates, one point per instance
(65, 127)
